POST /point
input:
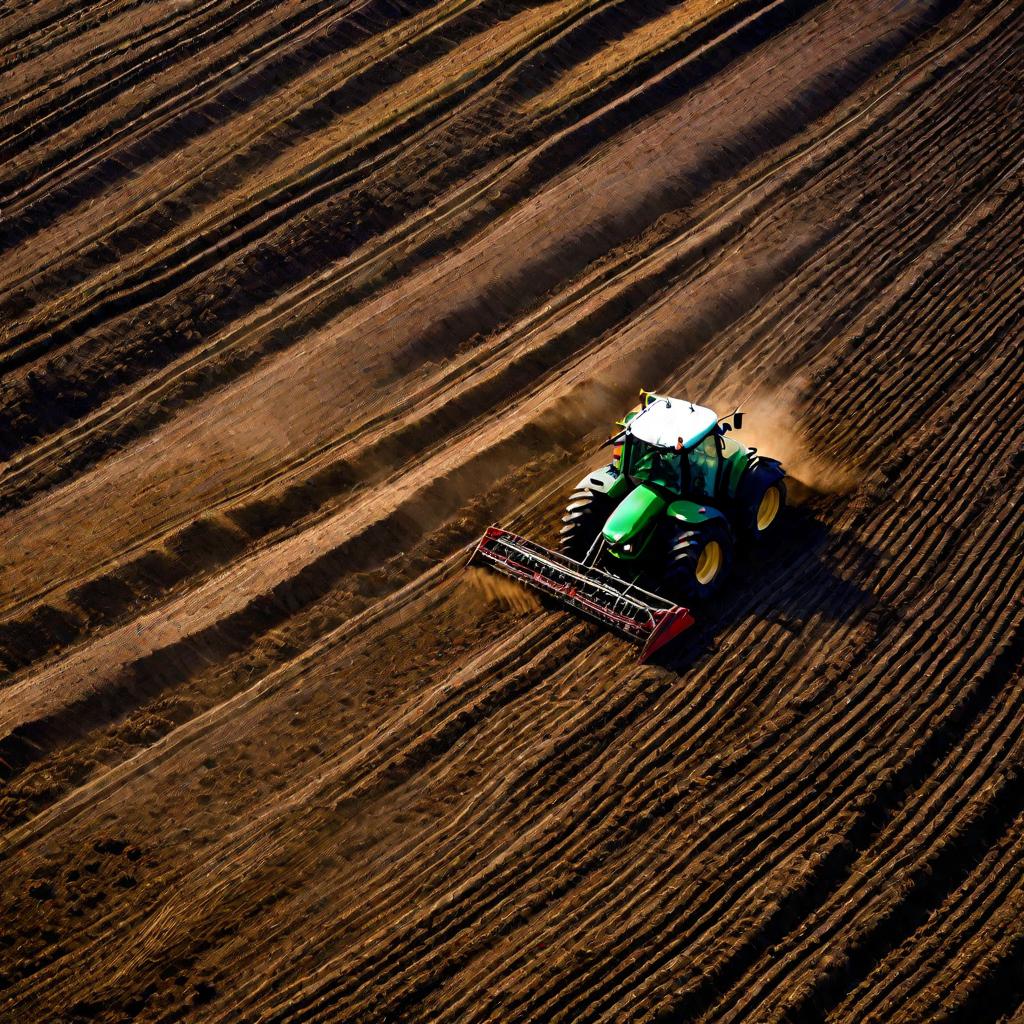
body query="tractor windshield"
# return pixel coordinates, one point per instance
(651, 464)
(691, 471)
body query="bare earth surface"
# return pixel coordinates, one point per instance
(298, 296)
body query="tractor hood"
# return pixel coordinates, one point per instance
(633, 514)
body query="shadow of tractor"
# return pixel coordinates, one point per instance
(791, 581)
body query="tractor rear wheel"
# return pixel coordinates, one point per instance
(699, 561)
(584, 516)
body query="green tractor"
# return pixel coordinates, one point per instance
(651, 535)
(677, 495)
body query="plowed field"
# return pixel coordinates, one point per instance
(296, 298)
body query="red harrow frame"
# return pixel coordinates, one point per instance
(638, 614)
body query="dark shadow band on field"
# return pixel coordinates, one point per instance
(46, 406)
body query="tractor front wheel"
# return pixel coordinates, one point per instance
(699, 561)
(584, 516)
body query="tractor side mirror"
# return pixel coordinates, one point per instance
(737, 420)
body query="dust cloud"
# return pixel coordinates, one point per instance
(771, 423)
(489, 589)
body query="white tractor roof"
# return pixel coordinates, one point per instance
(665, 420)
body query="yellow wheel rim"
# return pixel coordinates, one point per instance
(709, 562)
(769, 508)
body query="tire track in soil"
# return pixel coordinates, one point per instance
(239, 288)
(415, 806)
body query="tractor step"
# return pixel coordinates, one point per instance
(638, 614)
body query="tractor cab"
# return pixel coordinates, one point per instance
(675, 445)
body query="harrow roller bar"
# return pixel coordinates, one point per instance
(644, 617)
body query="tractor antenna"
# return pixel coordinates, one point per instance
(745, 398)
(736, 416)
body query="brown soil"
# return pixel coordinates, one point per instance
(296, 297)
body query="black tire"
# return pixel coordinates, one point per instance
(584, 516)
(762, 502)
(686, 578)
